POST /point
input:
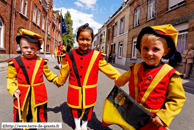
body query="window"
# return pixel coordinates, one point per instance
(134, 50)
(21, 6)
(136, 17)
(25, 7)
(108, 33)
(47, 47)
(49, 28)
(107, 53)
(42, 46)
(94, 43)
(43, 22)
(175, 3)
(113, 27)
(151, 9)
(120, 52)
(122, 22)
(38, 19)
(182, 42)
(115, 30)
(182, 36)
(113, 47)
(34, 14)
(44, 4)
(1, 33)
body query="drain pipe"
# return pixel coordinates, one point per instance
(156, 12)
(13, 27)
(10, 28)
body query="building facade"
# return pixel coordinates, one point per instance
(125, 24)
(34, 15)
(120, 27)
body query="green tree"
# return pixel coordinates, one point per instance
(68, 37)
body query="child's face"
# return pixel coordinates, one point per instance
(28, 49)
(152, 52)
(84, 40)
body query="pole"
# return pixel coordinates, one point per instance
(46, 33)
(13, 26)
(156, 12)
(61, 26)
(54, 39)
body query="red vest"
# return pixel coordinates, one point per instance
(59, 50)
(149, 87)
(30, 79)
(82, 91)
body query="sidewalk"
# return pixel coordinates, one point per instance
(186, 82)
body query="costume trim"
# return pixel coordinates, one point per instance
(80, 97)
(160, 75)
(136, 68)
(93, 59)
(152, 110)
(26, 85)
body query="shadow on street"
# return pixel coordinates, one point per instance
(67, 118)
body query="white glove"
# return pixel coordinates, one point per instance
(17, 93)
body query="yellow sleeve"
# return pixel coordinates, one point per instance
(50, 76)
(175, 100)
(56, 51)
(64, 49)
(64, 72)
(123, 79)
(108, 69)
(11, 79)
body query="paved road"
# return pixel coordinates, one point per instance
(58, 111)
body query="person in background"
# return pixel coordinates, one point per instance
(113, 57)
(60, 50)
(187, 55)
(175, 59)
(110, 58)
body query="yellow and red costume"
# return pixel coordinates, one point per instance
(158, 89)
(83, 75)
(27, 76)
(60, 50)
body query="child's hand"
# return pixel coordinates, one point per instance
(17, 93)
(156, 120)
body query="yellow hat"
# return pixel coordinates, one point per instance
(30, 36)
(166, 31)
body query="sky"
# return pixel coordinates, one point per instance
(94, 12)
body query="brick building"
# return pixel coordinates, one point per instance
(34, 15)
(109, 35)
(138, 14)
(144, 13)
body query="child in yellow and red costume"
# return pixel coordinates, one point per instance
(153, 84)
(25, 77)
(82, 66)
(60, 50)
